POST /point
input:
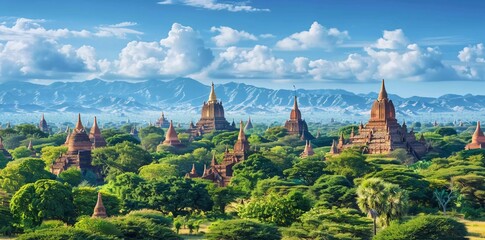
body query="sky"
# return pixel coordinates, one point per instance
(420, 47)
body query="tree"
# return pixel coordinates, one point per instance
(99, 226)
(242, 229)
(50, 153)
(18, 173)
(72, 176)
(120, 138)
(334, 191)
(126, 186)
(275, 133)
(221, 196)
(381, 200)
(425, 227)
(349, 163)
(44, 199)
(248, 172)
(134, 228)
(84, 200)
(151, 141)
(21, 152)
(445, 131)
(306, 170)
(150, 130)
(156, 171)
(61, 234)
(30, 130)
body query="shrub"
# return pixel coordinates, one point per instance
(66, 233)
(152, 215)
(141, 228)
(98, 225)
(425, 227)
(241, 229)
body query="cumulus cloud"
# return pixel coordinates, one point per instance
(24, 28)
(392, 40)
(474, 63)
(472, 54)
(228, 36)
(215, 5)
(181, 53)
(316, 37)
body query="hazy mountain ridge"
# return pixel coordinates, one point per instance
(184, 94)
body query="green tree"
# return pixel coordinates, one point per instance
(334, 191)
(242, 229)
(306, 170)
(84, 200)
(72, 176)
(30, 130)
(134, 228)
(381, 200)
(221, 196)
(126, 186)
(50, 153)
(44, 199)
(445, 131)
(157, 171)
(275, 133)
(18, 173)
(248, 172)
(62, 234)
(120, 138)
(99, 226)
(21, 152)
(349, 163)
(151, 141)
(425, 227)
(150, 130)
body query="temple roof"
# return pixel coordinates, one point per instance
(79, 124)
(95, 128)
(171, 134)
(212, 95)
(383, 92)
(241, 135)
(478, 134)
(295, 112)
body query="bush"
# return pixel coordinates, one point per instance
(152, 215)
(98, 225)
(50, 224)
(241, 229)
(141, 228)
(425, 227)
(65, 233)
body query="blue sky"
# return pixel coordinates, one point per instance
(426, 47)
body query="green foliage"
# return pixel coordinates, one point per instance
(242, 229)
(120, 138)
(64, 233)
(21, 152)
(336, 223)
(6, 221)
(84, 200)
(44, 199)
(152, 215)
(388, 200)
(3, 161)
(134, 228)
(306, 170)
(425, 227)
(72, 176)
(151, 141)
(248, 172)
(276, 209)
(157, 171)
(271, 185)
(144, 132)
(225, 138)
(18, 173)
(275, 133)
(30, 130)
(349, 163)
(221, 197)
(98, 225)
(126, 187)
(471, 188)
(445, 131)
(334, 191)
(50, 153)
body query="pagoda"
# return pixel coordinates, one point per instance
(78, 151)
(296, 125)
(382, 134)
(4, 151)
(95, 135)
(43, 125)
(162, 122)
(478, 139)
(171, 138)
(99, 209)
(212, 117)
(249, 125)
(308, 151)
(221, 174)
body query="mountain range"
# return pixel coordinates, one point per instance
(187, 95)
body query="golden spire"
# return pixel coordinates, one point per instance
(478, 133)
(241, 135)
(212, 95)
(295, 104)
(95, 128)
(79, 124)
(383, 92)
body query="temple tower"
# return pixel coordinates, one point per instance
(95, 135)
(171, 137)
(99, 209)
(296, 125)
(478, 139)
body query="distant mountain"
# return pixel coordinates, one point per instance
(185, 94)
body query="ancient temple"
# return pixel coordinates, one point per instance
(249, 125)
(221, 174)
(95, 135)
(212, 117)
(162, 122)
(171, 137)
(43, 125)
(296, 125)
(78, 151)
(382, 134)
(30, 147)
(308, 151)
(478, 139)
(99, 209)
(6, 154)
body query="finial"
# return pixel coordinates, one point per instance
(212, 95)
(383, 92)
(79, 124)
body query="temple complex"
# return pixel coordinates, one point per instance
(171, 137)
(43, 125)
(382, 134)
(221, 174)
(478, 139)
(308, 151)
(99, 209)
(296, 126)
(95, 135)
(212, 117)
(78, 151)
(162, 122)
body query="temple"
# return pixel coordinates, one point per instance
(308, 151)
(296, 126)
(221, 174)
(162, 122)
(99, 209)
(30, 147)
(382, 134)
(171, 138)
(78, 151)
(4, 151)
(43, 125)
(212, 117)
(478, 139)
(95, 135)
(249, 125)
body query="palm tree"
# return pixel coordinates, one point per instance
(381, 201)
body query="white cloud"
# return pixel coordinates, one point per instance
(24, 28)
(392, 40)
(267, 35)
(228, 36)
(355, 67)
(472, 54)
(316, 37)
(474, 63)
(215, 5)
(181, 53)
(120, 30)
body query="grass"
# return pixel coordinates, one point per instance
(476, 229)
